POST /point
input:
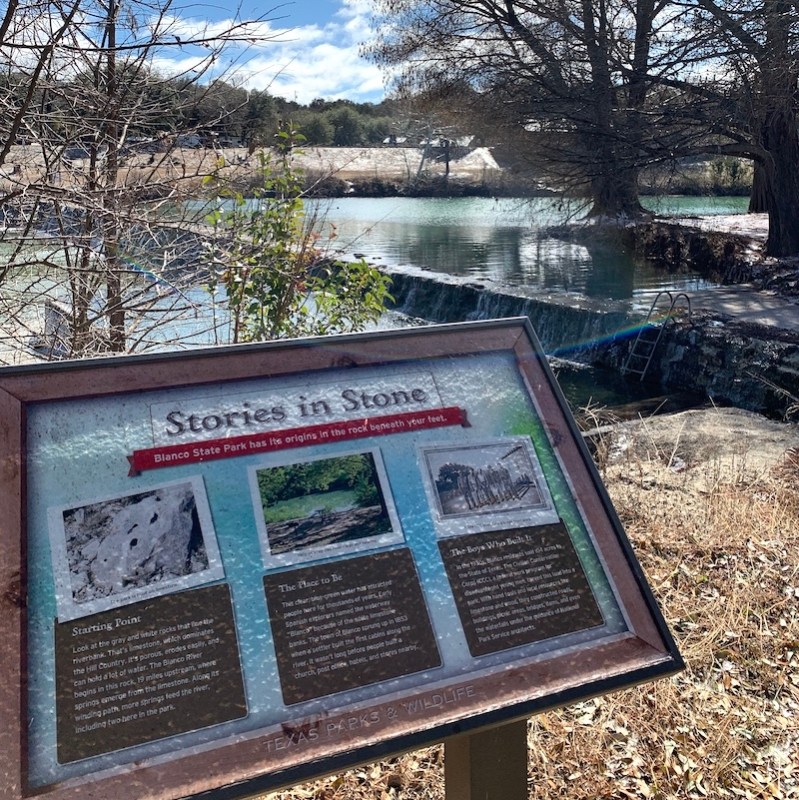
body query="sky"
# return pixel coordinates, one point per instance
(312, 52)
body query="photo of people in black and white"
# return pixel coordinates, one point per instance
(501, 477)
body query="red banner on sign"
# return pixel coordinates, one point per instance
(268, 441)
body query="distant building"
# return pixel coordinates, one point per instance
(447, 141)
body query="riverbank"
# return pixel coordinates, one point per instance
(153, 171)
(327, 171)
(727, 248)
(710, 501)
(737, 343)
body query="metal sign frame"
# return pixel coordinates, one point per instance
(524, 507)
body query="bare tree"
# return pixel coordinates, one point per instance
(750, 56)
(97, 247)
(575, 75)
(603, 88)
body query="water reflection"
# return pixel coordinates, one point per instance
(500, 240)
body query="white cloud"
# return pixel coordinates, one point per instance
(320, 59)
(191, 28)
(329, 70)
(311, 61)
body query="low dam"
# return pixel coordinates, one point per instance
(567, 326)
(748, 365)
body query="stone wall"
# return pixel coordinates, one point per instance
(747, 366)
(673, 246)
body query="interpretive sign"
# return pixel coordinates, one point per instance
(233, 569)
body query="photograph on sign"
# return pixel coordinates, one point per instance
(123, 548)
(487, 485)
(268, 562)
(323, 506)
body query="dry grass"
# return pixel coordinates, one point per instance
(718, 539)
(716, 528)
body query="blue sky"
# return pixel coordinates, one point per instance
(313, 49)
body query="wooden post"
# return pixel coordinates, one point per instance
(490, 765)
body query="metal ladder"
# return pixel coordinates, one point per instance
(643, 349)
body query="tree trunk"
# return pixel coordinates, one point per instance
(614, 192)
(781, 140)
(110, 224)
(779, 133)
(758, 199)
(609, 152)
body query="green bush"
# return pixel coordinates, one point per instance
(264, 254)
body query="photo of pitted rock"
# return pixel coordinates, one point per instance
(137, 540)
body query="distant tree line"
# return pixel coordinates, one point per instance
(219, 110)
(253, 118)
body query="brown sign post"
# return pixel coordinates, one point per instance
(230, 570)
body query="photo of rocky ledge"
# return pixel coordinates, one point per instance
(324, 502)
(128, 542)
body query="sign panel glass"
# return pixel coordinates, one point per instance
(315, 551)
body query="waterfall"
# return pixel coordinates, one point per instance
(570, 326)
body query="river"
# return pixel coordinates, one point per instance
(504, 240)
